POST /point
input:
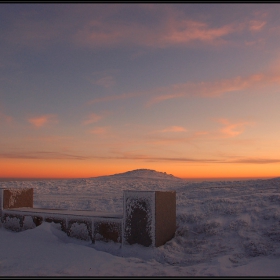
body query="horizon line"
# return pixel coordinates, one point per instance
(236, 178)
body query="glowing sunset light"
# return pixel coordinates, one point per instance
(41, 120)
(97, 89)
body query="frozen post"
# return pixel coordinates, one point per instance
(149, 217)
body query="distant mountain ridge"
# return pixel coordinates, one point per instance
(144, 173)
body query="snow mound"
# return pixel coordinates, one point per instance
(144, 173)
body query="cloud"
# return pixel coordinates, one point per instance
(174, 129)
(232, 129)
(138, 157)
(101, 130)
(40, 155)
(172, 31)
(161, 98)
(162, 26)
(252, 160)
(154, 26)
(216, 88)
(102, 78)
(101, 26)
(185, 31)
(42, 120)
(92, 118)
(212, 89)
(227, 134)
(113, 98)
(256, 25)
(211, 160)
(107, 81)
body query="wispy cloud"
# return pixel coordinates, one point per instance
(139, 157)
(255, 160)
(40, 155)
(172, 31)
(100, 130)
(185, 31)
(42, 120)
(256, 25)
(100, 26)
(180, 136)
(211, 89)
(210, 160)
(216, 88)
(173, 129)
(163, 27)
(233, 129)
(104, 79)
(161, 98)
(113, 97)
(92, 118)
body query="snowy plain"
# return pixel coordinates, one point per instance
(224, 228)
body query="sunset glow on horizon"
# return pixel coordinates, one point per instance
(89, 90)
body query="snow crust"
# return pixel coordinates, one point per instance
(224, 228)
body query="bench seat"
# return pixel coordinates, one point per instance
(64, 212)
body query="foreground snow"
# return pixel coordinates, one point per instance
(224, 228)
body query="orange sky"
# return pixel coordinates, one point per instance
(92, 89)
(85, 169)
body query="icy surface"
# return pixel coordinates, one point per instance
(224, 228)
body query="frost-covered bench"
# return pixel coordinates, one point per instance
(148, 218)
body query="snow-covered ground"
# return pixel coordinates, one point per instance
(224, 228)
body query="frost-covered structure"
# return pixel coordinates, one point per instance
(148, 218)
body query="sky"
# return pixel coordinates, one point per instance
(97, 89)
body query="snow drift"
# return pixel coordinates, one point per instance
(224, 228)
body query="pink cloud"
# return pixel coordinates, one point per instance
(217, 88)
(203, 89)
(173, 30)
(101, 130)
(41, 120)
(233, 129)
(185, 31)
(160, 98)
(92, 118)
(92, 26)
(170, 27)
(256, 25)
(174, 129)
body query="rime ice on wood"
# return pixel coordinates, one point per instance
(15, 198)
(149, 217)
(107, 230)
(80, 228)
(12, 223)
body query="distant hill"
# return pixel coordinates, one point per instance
(144, 173)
